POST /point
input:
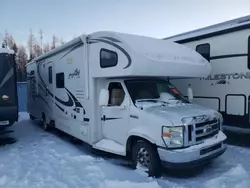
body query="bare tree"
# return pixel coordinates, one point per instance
(15, 48)
(21, 59)
(54, 41)
(41, 38)
(31, 42)
(5, 38)
(62, 41)
(46, 48)
(10, 41)
(37, 51)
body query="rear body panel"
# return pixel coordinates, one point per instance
(8, 90)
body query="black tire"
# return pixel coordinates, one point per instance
(32, 117)
(154, 165)
(45, 125)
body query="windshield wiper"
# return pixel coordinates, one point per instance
(151, 100)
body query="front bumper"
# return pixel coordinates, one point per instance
(194, 155)
(8, 115)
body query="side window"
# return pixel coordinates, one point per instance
(116, 94)
(50, 75)
(248, 53)
(204, 50)
(108, 58)
(60, 80)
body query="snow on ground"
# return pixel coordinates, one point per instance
(49, 160)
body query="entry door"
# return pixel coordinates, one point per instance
(115, 116)
(50, 91)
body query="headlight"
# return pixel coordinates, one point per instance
(172, 136)
(220, 117)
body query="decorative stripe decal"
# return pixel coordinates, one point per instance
(7, 77)
(73, 48)
(72, 100)
(41, 87)
(118, 47)
(40, 97)
(227, 56)
(68, 103)
(60, 107)
(111, 39)
(212, 34)
(77, 103)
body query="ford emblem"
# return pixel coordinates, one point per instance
(207, 129)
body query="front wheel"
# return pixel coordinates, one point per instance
(145, 157)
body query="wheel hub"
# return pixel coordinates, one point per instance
(143, 158)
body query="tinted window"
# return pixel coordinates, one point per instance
(248, 57)
(204, 50)
(116, 94)
(7, 80)
(50, 74)
(60, 80)
(108, 58)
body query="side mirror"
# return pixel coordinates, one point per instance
(190, 94)
(103, 98)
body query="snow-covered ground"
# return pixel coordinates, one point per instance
(49, 160)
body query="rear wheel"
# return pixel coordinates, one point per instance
(45, 125)
(146, 158)
(32, 117)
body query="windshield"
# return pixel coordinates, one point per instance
(153, 91)
(7, 80)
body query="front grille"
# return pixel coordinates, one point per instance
(206, 129)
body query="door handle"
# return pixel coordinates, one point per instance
(103, 118)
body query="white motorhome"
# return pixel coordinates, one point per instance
(111, 90)
(227, 46)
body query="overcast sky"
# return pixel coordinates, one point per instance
(155, 18)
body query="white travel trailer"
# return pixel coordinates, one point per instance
(111, 90)
(226, 89)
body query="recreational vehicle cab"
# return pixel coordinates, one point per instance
(112, 91)
(8, 88)
(227, 89)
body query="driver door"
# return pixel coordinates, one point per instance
(115, 116)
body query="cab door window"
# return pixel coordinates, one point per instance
(116, 94)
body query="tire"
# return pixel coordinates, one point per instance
(32, 117)
(146, 156)
(45, 125)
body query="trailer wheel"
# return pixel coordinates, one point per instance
(45, 125)
(31, 117)
(146, 158)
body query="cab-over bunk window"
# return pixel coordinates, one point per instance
(204, 50)
(108, 58)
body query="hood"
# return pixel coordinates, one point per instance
(176, 113)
